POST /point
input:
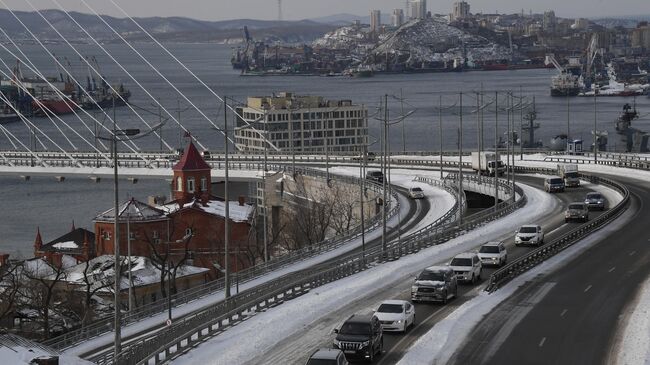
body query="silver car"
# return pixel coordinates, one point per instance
(576, 212)
(595, 201)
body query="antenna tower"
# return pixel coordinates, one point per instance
(280, 18)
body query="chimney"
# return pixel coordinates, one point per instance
(242, 200)
(73, 227)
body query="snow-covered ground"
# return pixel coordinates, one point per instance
(19, 355)
(439, 344)
(295, 315)
(441, 202)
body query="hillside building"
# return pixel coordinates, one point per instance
(397, 19)
(418, 9)
(302, 124)
(375, 21)
(460, 11)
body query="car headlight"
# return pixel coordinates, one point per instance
(398, 321)
(414, 289)
(365, 344)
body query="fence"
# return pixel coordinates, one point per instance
(535, 257)
(193, 329)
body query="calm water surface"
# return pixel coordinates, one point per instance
(52, 206)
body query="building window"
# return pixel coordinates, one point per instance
(156, 241)
(179, 184)
(190, 185)
(204, 184)
(188, 232)
(131, 236)
(155, 234)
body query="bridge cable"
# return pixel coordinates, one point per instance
(186, 69)
(48, 113)
(124, 69)
(135, 148)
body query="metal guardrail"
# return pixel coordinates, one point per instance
(191, 330)
(105, 325)
(537, 256)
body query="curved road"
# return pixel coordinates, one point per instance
(418, 210)
(571, 316)
(296, 348)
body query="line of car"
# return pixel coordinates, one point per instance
(361, 336)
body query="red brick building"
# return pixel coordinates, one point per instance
(79, 243)
(191, 226)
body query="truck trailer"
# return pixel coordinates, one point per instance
(487, 163)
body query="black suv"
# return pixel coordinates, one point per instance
(360, 337)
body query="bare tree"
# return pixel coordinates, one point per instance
(344, 202)
(94, 280)
(43, 279)
(9, 289)
(162, 259)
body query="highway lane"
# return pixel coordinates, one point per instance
(418, 210)
(429, 314)
(296, 348)
(571, 316)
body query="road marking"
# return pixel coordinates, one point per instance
(632, 253)
(541, 343)
(563, 312)
(587, 289)
(612, 269)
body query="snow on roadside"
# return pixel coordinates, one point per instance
(634, 348)
(445, 338)
(19, 355)
(441, 203)
(291, 317)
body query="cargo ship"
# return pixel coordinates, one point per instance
(565, 84)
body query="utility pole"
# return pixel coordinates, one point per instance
(116, 245)
(383, 180)
(227, 204)
(401, 98)
(460, 161)
(521, 124)
(362, 188)
(595, 125)
(440, 133)
(478, 131)
(496, 149)
(266, 169)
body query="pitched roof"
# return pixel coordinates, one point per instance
(191, 160)
(134, 211)
(71, 241)
(237, 213)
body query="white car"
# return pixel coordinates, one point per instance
(529, 235)
(493, 253)
(396, 315)
(416, 192)
(467, 266)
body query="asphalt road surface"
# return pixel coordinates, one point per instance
(572, 315)
(296, 348)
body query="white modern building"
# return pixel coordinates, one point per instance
(397, 19)
(418, 9)
(302, 124)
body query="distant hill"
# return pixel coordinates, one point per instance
(171, 28)
(347, 19)
(623, 21)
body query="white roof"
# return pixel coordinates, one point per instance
(395, 301)
(68, 244)
(465, 255)
(237, 213)
(438, 268)
(492, 243)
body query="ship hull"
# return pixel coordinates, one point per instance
(573, 91)
(56, 107)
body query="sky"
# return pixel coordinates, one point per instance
(305, 9)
